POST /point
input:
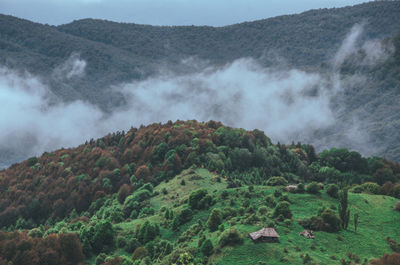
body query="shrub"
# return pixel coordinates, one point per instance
(214, 220)
(199, 199)
(396, 206)
(101, 258)
(207, 247)
(371, 187)
(331, 220)
(139, 253)
(387, 259)
(263, 210)
(332, 190)
(314, 223)
(123, 192)
(147, 232)
(230, 237)
(357, 189)
(283, 208)
(277, 193)
(393, 244)
(277, 181)
(270, 201)
(313, 188)
(300, 188)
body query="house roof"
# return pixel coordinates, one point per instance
(264, 232)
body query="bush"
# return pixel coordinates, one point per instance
(270, 201)
(277, 181)
(314, 223)
(332, 190)
(357, 189)
(300, 188)
(214, 220)
(387, 259)
(277, 193)
(283, 208)
(371, 187)
(147, 232)
(396, 206)
(313, 188)
(332, 221)
(139, 253)
(199, 199)
(263, 210)
(230, 237)
(207, 247)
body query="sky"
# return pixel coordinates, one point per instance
(162, 12)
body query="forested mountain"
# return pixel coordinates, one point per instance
(118, 52)
(115, 53)
(153, 194)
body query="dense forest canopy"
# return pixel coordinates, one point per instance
(136, 192)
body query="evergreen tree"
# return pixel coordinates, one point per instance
(207, 247)
(344, 212)
(355, 221)
(214, 220)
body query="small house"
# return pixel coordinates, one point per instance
(265, 234)
(307, 234)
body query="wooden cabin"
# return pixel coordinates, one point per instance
(265, 234)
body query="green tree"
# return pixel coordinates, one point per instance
(214, 220)
(283, 208)
(147, 232)
(207, 247)
(355, 221)
(332, 190)
(195, 198)
(313, 188)
(103, 236)
(344, 212)
(331, 220)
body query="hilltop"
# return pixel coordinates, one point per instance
(146, 196)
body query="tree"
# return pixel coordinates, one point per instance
(283, 208)
(103, 236)
(332, 190)
(214, 220)
(331, 221)
(344, 212)
(123, 192)
(313, 188)
(195, 197)
(355, 221)
(230, 237)
(207, 247)
(147, 232)
(72, 248)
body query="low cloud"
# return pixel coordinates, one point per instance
(73, 67)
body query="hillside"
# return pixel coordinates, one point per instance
(186, 192)
(112, 54)
(120, 52)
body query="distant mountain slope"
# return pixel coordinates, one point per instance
(305, 39)
(39, 49)
(117, 52)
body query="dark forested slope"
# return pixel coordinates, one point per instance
(117, 52)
